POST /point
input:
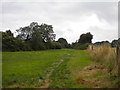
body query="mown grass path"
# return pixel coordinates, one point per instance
(47, 80)
(65, 74)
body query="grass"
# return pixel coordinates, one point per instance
(106, 56)
(23, 69)
(49, 69)
(80, 59)
(65, 75)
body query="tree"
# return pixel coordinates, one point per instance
(85, 38)
(47, 35)
(37, 36)
(47, 32)
(101, 43)
(9, 33)
(36, 41)
(56, 45)
(9, 43)
(83, 42)
(25, 33)
(63, 42)
(115, 43)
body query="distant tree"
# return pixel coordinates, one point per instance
(56, 45)
(37, 36)
(85, 38)
(81, 46)
(47, 33)
(63, 42)
(83, 42)
(9, 33)
(9, 43)
(25, 33)
(36, 41)
(69, 46)
(74, 44)
(102, 43)
(114, 43)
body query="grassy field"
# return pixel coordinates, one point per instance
(48, 69)
(23, 69)
(65, 75)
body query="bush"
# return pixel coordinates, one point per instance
(105, 55)
(81, 46)
(56, 45)
(9, 43)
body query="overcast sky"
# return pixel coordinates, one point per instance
(69, 19)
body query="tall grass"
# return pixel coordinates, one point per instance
(105, 55)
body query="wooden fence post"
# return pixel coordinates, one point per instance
(118, 61)
(118, 58)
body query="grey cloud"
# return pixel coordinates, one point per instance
(103, 34)
(59, 15)
(105, 10)
(119, 19)
(59, 10)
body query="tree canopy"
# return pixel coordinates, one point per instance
(40, 37)
(85, 38)
(63, 42)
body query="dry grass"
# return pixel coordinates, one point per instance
(105, 55)
(93, 75)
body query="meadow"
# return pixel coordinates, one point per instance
(64, 68)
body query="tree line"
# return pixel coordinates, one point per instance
(113, 44)
(42, 37)
(32, 38)
(39, 37)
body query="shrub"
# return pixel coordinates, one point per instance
(81, 46)
(56, 45)
(105, 55)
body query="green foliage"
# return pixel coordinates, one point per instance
(85, 38)
(63, 42)
(81, 46)
(83, 42)
(37, 42)
(32, 37)
(37, 36)
(40, 37)
(47, 32)
(43, 31)
(56, 45)
(9, 33)
(115, 43)
(9, 43)
(101, 43)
